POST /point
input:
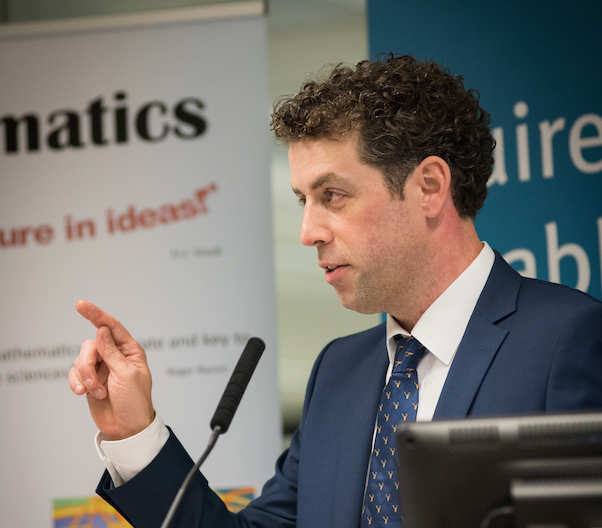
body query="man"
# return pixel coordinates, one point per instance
(390, 161)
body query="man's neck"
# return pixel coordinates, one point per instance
(443, 268)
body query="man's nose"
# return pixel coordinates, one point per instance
(314, 229)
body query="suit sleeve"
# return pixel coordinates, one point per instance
(145, 499)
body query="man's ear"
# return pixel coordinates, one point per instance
(433, 179)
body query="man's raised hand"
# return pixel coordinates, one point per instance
(113, 373)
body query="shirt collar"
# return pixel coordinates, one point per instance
(441, 327)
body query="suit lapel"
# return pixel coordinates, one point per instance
(475, 353)
(362, 403)
(480, 343)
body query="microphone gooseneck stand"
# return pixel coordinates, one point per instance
(224, 413)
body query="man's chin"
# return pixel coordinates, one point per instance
(351, 302)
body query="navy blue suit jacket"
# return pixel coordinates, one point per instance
(530, 347)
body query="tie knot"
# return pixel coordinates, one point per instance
(409, 353)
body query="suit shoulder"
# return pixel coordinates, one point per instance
(556, 295)
(553, 308)
(506, 293)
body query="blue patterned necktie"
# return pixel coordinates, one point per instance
(399, 402)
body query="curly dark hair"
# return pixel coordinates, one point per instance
(403, 110)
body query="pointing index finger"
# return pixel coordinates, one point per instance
(100, 318)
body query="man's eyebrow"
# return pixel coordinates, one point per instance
(321, 181)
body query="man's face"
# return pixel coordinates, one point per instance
(369, 242)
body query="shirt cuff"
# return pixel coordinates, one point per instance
(124, 459)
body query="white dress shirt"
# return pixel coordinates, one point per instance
(440, 330)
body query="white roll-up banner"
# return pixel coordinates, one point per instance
(134, 173)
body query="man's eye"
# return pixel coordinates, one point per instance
(333, 196)
(301, 201)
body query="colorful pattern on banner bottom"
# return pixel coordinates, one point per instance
(94, 512)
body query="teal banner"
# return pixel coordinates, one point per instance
(538, 68)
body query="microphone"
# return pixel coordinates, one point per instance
(225, 411)
(237, 384)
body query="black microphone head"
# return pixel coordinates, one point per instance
(250, 355)
(238, 383)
